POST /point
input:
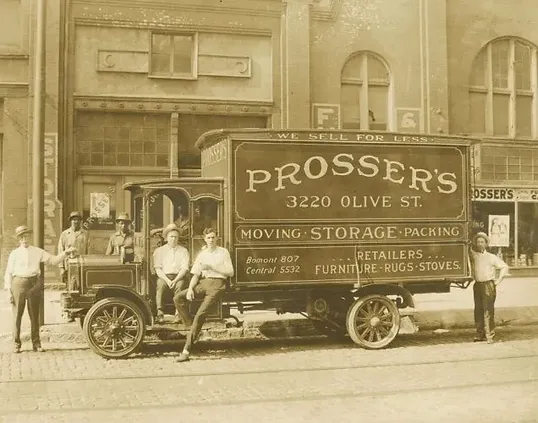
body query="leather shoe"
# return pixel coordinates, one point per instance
(17, 350)
(182, 358)
(39, 349)
(491, 341)
(479, 339)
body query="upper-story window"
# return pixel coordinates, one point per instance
(365, 92)
(503, 89)
(174, 55)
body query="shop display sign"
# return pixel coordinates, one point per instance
(100, 205)
(499, 230)
(491, 194)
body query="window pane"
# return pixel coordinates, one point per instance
(478, 113)
(500, 55)
(352, 68)
(377, 70)
(377, 106)
(183, 49)
(523, 66)
(349, 103)
(161, 53)
(523, 115)
(478, 76)
(160, 64)
(500, 114)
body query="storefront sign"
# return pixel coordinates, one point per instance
(349, 233)
(52, 206)
(326, 116)
(354, 182)
(499, 230)
(505, 194)
(350, 263)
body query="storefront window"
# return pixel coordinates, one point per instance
(528, 234)
(497, 219)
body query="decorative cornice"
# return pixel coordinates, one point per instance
(117, 23)
(178, 105)
(272, 13)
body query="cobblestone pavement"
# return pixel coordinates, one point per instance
(422, 377)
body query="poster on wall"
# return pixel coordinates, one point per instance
(499, 230)
(100, 205)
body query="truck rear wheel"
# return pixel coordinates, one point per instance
(114, 327)
(373, 321)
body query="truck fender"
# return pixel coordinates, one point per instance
(387, 289)
(118, 291)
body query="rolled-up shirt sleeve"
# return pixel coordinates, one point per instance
(185, 260)
(8, 276)
(197, 266)
(50, 259)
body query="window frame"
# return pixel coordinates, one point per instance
(193, 75)
(364, 83)
(511, 91)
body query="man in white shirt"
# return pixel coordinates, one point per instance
(485, 266)
(212, 267)
(22, 281)
(171, 264)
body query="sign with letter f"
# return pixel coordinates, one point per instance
(325, 116)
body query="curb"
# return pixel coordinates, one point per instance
(296, 327)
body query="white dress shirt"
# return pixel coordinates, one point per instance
(25, 262)
(218, 257)
(485, 266)
(171, 260)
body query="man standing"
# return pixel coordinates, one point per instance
(124, 237)
(210, 270)
(75, 236)
(485, 266)
(21, 280)
(171, 263)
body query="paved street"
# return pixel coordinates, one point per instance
(422, 377)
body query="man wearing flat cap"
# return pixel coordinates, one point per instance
(171, 263)
(74, 236)
(21, 280)
(488, 271)
(123, 238)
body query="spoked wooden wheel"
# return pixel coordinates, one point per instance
(114, 327)
(373, 321)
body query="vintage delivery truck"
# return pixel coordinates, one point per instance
(343, 227)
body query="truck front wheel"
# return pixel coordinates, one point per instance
(114, 327)
(373, 321)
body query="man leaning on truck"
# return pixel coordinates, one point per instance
(485, 266)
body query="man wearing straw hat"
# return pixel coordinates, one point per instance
(171, 263)
(22, 281)
(485, 266)
(124, 237)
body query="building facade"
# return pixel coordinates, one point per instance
(132, 84)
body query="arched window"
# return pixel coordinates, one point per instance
(503, 89)
(364, 92)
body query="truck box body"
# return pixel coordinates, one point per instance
(315, 207)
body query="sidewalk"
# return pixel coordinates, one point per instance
(517, 304)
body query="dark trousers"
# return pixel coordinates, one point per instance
(484, 308)
(163, 290)
(212, 291)
(26, 290)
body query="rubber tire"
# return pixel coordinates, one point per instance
(108, 302)
(352, 314)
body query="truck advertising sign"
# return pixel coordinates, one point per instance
(337, 182)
